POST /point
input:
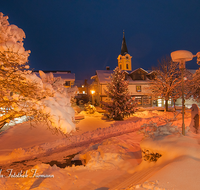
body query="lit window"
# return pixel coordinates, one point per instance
(138, 100)
(67, 83)
(83, 92)
(138, 88)
(159, 102)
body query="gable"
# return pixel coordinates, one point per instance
(139, 74)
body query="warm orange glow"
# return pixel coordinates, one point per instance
(92, 91)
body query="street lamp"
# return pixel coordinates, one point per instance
(92, 92)
(181, 56)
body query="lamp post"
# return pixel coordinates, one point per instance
(182, 56)
(92, 92)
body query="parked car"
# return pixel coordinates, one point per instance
(81, 99)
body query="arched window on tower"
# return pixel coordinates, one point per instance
(127, 66)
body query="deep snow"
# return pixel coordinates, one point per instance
(109, 161)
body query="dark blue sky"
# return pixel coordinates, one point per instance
(84, 36)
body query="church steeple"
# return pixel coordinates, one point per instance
(124, 49)
(124, 59)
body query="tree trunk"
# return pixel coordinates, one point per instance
(174, 105)
(166, 105)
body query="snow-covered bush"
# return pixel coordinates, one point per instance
(58, 104)
(150, 156)
(152, 129)
(90, 109)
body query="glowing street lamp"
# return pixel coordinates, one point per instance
(181, 56)
(92, 92)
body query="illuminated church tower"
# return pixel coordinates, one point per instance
(124, 59)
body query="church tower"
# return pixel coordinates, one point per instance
(124, 59)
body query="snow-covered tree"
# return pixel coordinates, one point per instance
(167, 81)
(18, 93)
(121, 104)
(194, 86)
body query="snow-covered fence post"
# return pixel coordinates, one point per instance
(194, 124)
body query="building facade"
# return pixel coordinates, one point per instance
(138, 80)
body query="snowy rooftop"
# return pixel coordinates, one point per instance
(66, 75)
(138, 69)
(104, 75)
(190, 70)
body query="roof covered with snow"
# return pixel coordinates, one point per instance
(192, 70)
(103, 76)
(139, 69)
(66, 75)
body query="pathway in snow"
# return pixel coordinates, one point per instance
(138, 177)
(74, 141)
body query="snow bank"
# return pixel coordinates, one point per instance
(71, 141)
(168, 141)
(106, 155)
(172, 146)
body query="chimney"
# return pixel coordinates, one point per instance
(107, 68)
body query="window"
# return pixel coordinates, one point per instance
(138, 100)
(67, 83)
(120, 66)
(159, 102)
(146, 100)
(126, 66)
(138, 88)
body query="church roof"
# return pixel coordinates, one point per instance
(124, 49)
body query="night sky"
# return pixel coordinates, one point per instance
(85, 36)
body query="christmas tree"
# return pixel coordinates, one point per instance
(121, 104)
